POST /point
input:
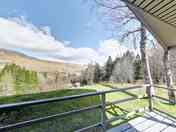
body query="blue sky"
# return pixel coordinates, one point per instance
(69, 20)
(39, 27)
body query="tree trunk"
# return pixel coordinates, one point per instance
(168, 74)
(145, 61)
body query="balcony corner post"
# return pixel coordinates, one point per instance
(103, 116)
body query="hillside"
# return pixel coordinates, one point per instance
(30, 63)
(17, 78)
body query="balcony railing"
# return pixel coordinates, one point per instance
(154, 97)
(102, 106)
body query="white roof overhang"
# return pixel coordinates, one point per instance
(159, 17)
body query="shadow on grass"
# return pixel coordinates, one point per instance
(117, 111)
(120, 111)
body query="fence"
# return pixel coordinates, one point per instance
(154, 97)
(102, 106)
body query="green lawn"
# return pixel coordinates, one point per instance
(132, 105)
(124, 108)
(162, 105)
(69, 124)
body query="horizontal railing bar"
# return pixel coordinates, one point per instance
(114, 119)
(89, 127)
(44, 101)
(121, 101)
(162, 87)
(128, 114)
(117, 89)
(161, 98)
(57, 99)
(47, 118)
(124, 89)
(169, 115)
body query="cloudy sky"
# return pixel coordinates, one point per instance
(59, 30)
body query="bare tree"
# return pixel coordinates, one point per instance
(172, 62)
(162, 64)
(123, 70)
(169, 79)
(122, 17)
(156, 63)
(145, 60)
(87, 76)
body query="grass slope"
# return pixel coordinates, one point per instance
(67, 124)
(38, 65)
(123, 109)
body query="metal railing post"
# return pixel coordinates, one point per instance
(151, 93)
(103, 116)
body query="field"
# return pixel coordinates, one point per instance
(66, 124)
(69, 124)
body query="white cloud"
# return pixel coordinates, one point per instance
(46, 30)
(17, 33)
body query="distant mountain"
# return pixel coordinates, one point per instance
(31, 63)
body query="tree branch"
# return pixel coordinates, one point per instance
(109, 7)
(128, 20)
(128, 33)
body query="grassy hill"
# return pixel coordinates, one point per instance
(51, 75)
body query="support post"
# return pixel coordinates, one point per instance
(103, 116)
(168, 74)
(145, 60)
(151, 103)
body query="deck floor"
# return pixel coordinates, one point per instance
(150, 122)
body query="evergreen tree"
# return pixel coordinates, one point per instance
(117, 59)
(45, 74)
(108, 69)
(97, 73)
(24, 81)
(138, 68)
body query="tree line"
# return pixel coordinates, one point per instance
(20, 74)
(125, 69)
(18, 80)
(129, 68)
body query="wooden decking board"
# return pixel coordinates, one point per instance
(147, 124)
(150, 122)
(159, 125)
(170, 129)
(156, 127)
(125, 127)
